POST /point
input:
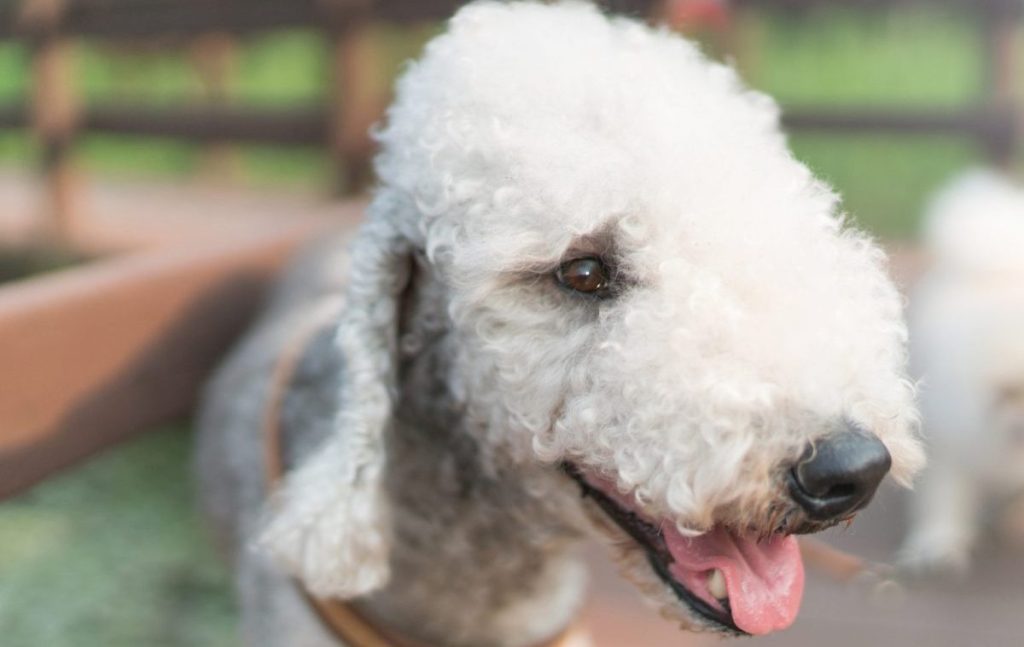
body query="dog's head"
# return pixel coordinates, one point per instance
(650, 295)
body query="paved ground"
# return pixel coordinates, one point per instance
(121, 216)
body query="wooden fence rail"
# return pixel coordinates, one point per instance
(995, 128)
(293, 126)
(340, 125)
(133, 18)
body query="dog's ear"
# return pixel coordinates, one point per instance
(330, 524)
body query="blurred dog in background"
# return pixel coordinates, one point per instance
(967, 343)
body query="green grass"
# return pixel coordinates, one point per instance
(111, 555)
(277, 69)
(885, 182)
(17, 147)
(903, 59)
(293, 166)
(838, 57)
(281, 69)
(137, 157)
(13, 66)
(14, 146)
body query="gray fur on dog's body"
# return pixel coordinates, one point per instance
(471, 549)
(230, 450)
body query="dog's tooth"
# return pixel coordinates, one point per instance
(716, 585)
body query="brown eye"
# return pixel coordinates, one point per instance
(586, 275)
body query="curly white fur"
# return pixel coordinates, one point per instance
(750, 317)
(332, 517)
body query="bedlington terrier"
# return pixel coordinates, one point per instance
(967, 346)
(591, 267)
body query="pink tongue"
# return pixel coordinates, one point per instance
(764, 580)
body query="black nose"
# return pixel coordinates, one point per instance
(839, 474)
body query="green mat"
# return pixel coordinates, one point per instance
(113, 554)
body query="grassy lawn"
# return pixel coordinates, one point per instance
(112, 555)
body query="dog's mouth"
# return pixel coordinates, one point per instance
(738, 584)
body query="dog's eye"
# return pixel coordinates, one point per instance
(587, 275)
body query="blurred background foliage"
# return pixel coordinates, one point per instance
(909, 56)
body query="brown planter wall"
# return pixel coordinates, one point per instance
(91, 355)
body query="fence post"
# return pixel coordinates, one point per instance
(1000, 23)
(213, 56)
(356, 98)
(54, 110)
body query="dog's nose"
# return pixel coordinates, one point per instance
(839, 474)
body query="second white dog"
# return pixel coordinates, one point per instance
(967, 339)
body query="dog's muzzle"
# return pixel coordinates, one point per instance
(839, 474)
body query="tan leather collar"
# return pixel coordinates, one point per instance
(339, 618)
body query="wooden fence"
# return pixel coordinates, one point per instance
(55, 113)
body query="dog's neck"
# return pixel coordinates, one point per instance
(480, 556)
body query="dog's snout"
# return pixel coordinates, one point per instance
(838, 474)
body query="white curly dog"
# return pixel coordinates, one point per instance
(592, 266)
(967, 320)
